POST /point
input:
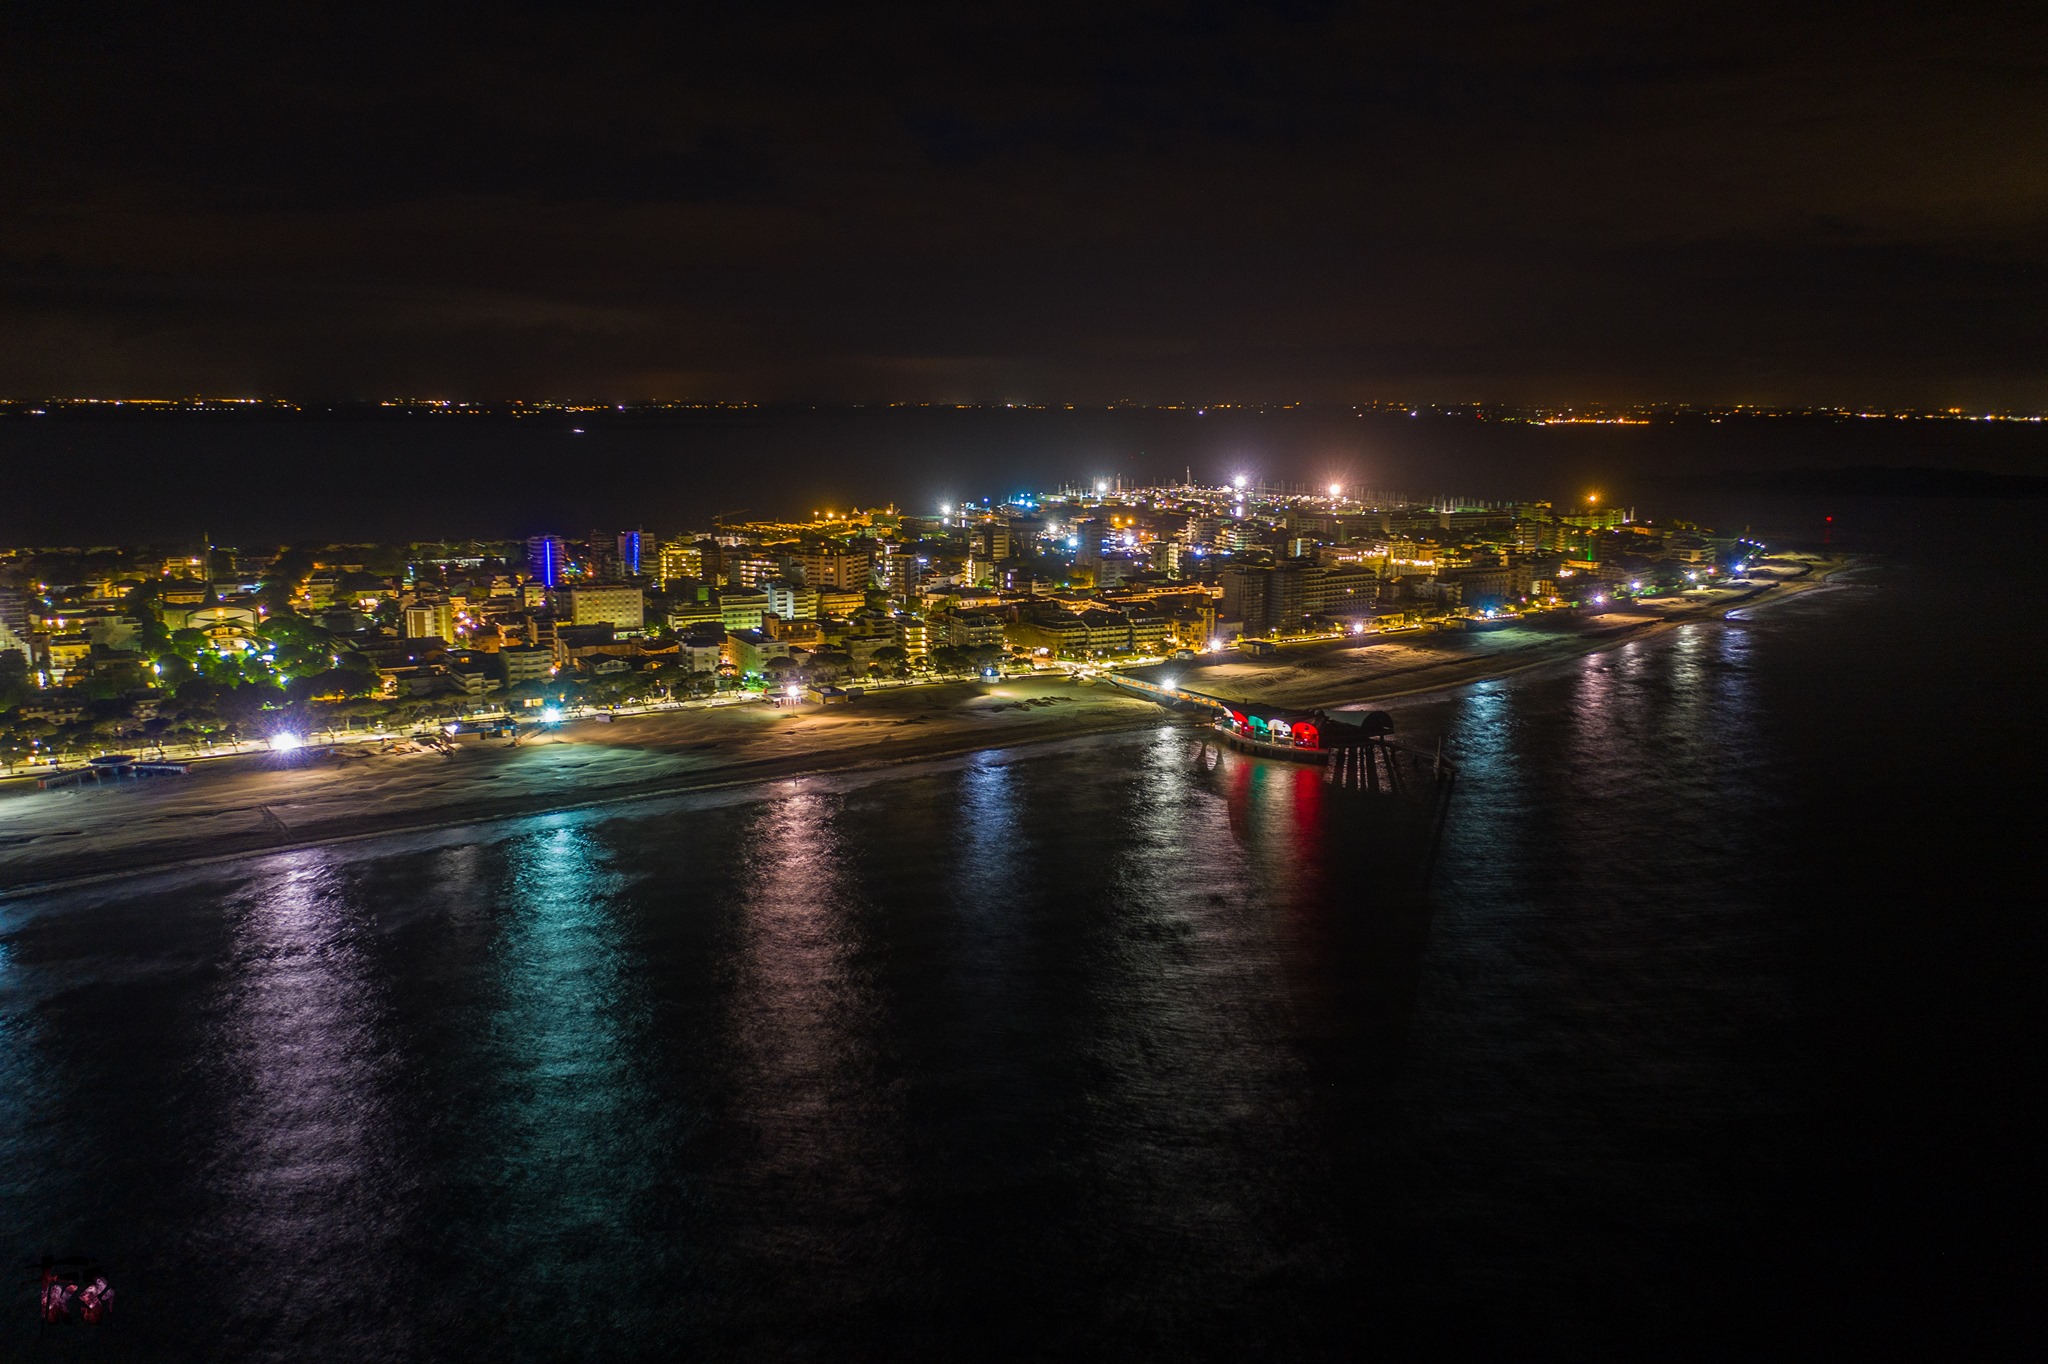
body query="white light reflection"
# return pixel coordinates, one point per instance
(802, 1013)
(306, 1186)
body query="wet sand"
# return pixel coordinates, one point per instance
(233, 806)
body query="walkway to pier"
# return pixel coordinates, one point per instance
(115, 767)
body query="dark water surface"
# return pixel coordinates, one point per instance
(1722, 1031)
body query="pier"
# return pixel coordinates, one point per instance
(1356, 750)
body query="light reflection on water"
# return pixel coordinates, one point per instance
(302, 1182)
(566, 1136)
(812, 1108)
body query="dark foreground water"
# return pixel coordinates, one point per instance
(1722, 1033)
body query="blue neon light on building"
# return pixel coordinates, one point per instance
(544, 559)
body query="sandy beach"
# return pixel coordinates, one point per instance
(255, 802)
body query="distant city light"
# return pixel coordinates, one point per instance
(1239, 481)
(1336, 490)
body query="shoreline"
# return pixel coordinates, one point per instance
(254, 805)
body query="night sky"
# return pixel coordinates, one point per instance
(1215, 202)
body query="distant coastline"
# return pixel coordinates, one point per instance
(1872, 480)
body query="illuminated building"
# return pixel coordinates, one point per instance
(751, 568)
(792, 601)
(544, 559)
(618, 605)
(843, 569)
(749, 650)
(742, 610)
(13, 643)
(677, 559)
(629, 552)
(1265, 599)
(700, 648)
(14, 618)
(991, 540)
(974, 629)
(526, 664)
(430, 620)
(913, 635)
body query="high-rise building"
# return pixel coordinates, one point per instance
(14, 612)
(544, 559)
(899, 571)
(913, 634)
(991, 539)
(10, 642)
(430, 620)
(1265, 599)
(629, 552)
(619, 605)
(677, 559)
(751, 568)
(792, 601)
(844, 569)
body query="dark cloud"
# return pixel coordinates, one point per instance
(1064, 201)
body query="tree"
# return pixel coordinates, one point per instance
(14, 679)
(142, 607)
(188, 643)
(827, 664)
(892, 654)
